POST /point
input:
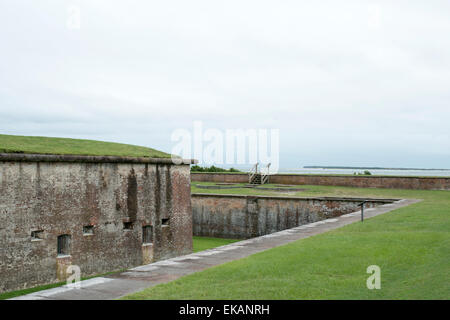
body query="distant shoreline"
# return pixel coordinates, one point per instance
(370, 168)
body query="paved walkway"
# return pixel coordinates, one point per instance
(139, 278)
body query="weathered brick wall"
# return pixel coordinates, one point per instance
(63, 197)
(419, 183)
(236, 216)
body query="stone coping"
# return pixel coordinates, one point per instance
(381, 200)
(326, 175)
(28, 157)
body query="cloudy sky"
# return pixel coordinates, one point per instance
(364, 83)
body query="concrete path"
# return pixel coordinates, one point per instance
(139, 278)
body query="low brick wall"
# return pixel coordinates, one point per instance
(419, 183)
(236, 216)
(99, 213)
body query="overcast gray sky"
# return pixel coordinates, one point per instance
(362, 83)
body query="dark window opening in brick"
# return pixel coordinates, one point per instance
(147, 234)
(88, 230)
(127, 225)
(165, 222)
(64, 244)
(37, 235)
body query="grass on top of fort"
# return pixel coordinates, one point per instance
(411, 245)
(66, 146)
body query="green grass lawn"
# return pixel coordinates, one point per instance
(411, 245)
(47, 145)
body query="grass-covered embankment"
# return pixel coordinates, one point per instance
(66, 146)
(411, 245)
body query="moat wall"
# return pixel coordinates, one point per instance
(236, 216)
(419, 183)
(102, 204)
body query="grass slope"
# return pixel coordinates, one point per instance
(411, 245)
(47, 145)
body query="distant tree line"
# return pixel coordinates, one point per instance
(196, 168)
(365, 173)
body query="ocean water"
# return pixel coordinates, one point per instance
(384, 172)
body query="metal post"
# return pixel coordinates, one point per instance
(362, 210)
